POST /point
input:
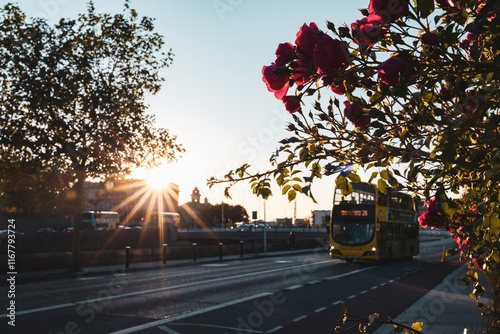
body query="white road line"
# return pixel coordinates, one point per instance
(363, 292)
(299, 318)
(142, 292)
(294, 287)
(187, 315)
(374, 287)
(320, 309)
(274, 329)
(349, 273)
(352, 296)
(211, 326)
(337, 302)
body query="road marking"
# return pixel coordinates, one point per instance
(363, 292)
(294, 287)
(374, 287)
(168, 330)
(299, 318)
(337, 302)
(275, 329)
(320, 309)
(187, 315)
(211, 326)
(142, 292)
(352, 296)
(349, 273)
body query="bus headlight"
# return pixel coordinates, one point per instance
(374, 249)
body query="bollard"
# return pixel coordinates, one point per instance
(194, 251)
(165, 253)
(127, 256)
(241, 248)
(220, 250)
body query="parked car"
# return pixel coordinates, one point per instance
(68, 230)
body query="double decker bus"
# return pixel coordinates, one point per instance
(368, 225)
(93, 220)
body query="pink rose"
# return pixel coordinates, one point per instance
(390, 9)
(307, 37)
(429, 38)
(285, 53)
(303, 72)
(391, 70)
(431, 217)
(342, 88)
(471, 103)
(354, 112)
(471, 43)
(330, 55)
(367, 31)
(292, 103)
(276, 80)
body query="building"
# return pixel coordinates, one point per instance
(320, 218)
(191, 212)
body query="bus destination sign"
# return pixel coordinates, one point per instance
(354, 213)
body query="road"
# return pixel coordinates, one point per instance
(287, 294)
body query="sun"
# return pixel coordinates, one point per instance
(157, 178)
(161, 176)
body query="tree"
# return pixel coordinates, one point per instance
(73, 96)
(420, 84)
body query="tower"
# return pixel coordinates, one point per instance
(195, 196)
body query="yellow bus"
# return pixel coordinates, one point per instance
(94, 220)
(368, 225)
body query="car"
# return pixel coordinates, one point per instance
(68, 230)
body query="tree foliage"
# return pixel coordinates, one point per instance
(419, 82)
(72, 97)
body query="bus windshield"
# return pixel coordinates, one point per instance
(353, 233)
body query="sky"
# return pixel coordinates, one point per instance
(213, 98)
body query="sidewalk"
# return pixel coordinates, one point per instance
(447, 309)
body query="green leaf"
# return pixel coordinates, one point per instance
(374, 175)
(382, 186)
(344, 185)
(493, 223)
(424, 7)
(355, 178)
(285, 189)
(417, 326)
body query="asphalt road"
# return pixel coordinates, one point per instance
(288, 294)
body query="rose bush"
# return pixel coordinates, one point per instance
(420, 86)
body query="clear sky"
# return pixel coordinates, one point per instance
(213, 98)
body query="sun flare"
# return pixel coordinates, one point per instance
(161, 176)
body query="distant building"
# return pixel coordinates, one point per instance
(191, 212)
(284, 221)
(320, 217)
